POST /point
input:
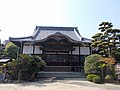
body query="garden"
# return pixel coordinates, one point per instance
(102, 65)
(21, 67)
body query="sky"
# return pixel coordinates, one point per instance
(18, 18)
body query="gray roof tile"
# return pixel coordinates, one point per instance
(42, 32)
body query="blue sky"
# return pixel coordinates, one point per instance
(18, 18)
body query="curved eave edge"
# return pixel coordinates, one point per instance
(17, 39)
(21, 37)
(86, 40)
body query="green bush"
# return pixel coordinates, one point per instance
(26, 67)
(91, 64)
(97, 80)
(91, 76)
(11, 50)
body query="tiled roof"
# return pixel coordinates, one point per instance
(86, 40)
(42, 32)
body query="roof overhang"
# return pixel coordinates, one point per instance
(3, 60)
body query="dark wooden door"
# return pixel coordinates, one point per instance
(57, 60)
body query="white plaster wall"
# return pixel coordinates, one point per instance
(27, 49)
(84, 50)
(76, 51)
(37, 50)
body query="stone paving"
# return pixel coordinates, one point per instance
(83, 82)
(59, 84)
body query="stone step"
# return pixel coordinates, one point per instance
(44, 74)
(57, 68)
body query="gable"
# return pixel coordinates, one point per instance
(42, 33)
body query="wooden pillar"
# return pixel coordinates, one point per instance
(79, 54)
(90, 50)
(43, 54)
(71, 65)
(33, 48)
(68, 58)
(21, 47)
(42, 51)
(79, 69)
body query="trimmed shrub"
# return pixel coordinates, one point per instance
(91, 76)
(11, 50)
(91, 64)
(26, 67)
(97, 80)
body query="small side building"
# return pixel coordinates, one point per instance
(58, 46)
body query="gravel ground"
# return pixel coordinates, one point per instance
(59, 84)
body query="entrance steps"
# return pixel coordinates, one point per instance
(45, 74)
(57, 68)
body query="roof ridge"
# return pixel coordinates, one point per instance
(57, 26)
(54, 28)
